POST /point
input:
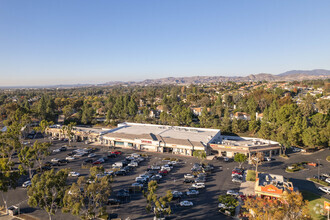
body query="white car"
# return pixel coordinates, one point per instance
(133, 164)
(327, 180)
(26, 184)
(186, 203)
(56, 150)
(155, 167)
(325, 189)
(54, 160)
(232, 193)
(177, 193)
(166, 167)
(198, 185)
(70, 158)
(91, 155)
(188, 176)
(74, 174)
(192, 193)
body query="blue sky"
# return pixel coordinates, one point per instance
(94, 41)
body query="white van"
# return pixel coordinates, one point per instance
(117, 165)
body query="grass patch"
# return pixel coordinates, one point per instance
(319, 181)
(251, 175)
(296, 167)
(314, 205)
(284, 156)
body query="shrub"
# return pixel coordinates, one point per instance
(319, 181)
(328, 158)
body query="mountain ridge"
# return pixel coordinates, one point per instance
(292, 75)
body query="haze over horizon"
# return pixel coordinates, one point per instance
(69, 42)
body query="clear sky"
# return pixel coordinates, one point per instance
(47, 42)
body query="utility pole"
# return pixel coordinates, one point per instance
(318, 168)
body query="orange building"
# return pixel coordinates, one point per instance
(272, 185)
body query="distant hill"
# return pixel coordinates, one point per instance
(317, 72)
(292, 75)
(286, 76)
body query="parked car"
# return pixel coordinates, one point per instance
(70, 158)
(114, 201)
(97, 162)
(88, 161)
(237, 180)
(62, 161)
(198, 185)
(26, 184)
(325, 189)
(312, 164)
(186, 203)
(232, 193)
(327, 180)
(188, 180)
(177, 193)
(192, 193)
(326, 175)
(188, 176)
(54, 160)
(91, 155)
(74, 174)
(63, 148)
(56, 150)
(163, 172)
(117, 152)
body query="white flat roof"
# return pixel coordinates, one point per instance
(176, 132)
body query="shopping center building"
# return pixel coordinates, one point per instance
(170, 139)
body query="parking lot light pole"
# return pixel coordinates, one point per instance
(318, 168)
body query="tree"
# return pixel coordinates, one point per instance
(132, 107)
(257, 160)
(43, 125)
(68, 131)
(234, 126)
(9, 145)
(226, 123)
(41, 151)
(87, 199)
(291, 206)
(87, 113)
(200, 154)
(240, 159)
(47, 190)
(27, 157)
(161, 205)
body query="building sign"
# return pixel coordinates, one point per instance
(326, 205)
(146, 142)
(271, 189)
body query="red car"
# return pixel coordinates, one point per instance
(236, 172)
(97, 162)
(117, 152)
(163, 172)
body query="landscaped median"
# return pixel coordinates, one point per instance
(296, 167)
(251, 175)
(321, 182)
(316, 204)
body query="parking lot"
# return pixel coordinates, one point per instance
(205, 204)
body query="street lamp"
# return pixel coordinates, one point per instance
(318, 168)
